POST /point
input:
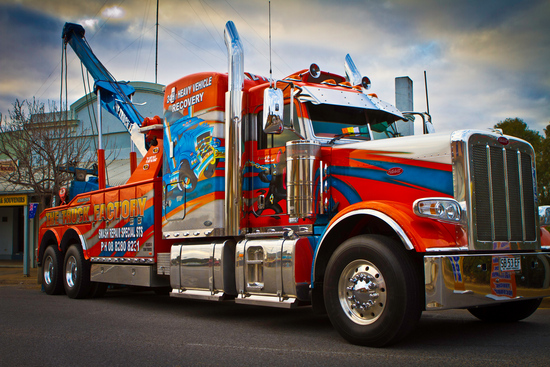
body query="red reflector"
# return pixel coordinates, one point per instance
(502, 140)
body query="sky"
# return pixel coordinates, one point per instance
(485, 60)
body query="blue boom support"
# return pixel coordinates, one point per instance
(115, 96)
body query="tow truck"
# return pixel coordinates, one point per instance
(305, 191)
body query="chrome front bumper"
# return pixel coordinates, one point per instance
(462, 281)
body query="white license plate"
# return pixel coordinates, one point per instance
(510, 263)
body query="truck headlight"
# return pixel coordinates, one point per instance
(442, 209)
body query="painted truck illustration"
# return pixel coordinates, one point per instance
(306, 192)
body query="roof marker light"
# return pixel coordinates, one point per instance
(365, 83)
(314, 71)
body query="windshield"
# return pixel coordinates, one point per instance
(359, 123)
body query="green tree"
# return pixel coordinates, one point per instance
(518, 128)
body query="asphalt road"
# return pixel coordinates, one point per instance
(141, 328)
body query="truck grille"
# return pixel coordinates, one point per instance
(504, 193)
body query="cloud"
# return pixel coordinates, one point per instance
(485, 60)
(113, 12)
(89, 24)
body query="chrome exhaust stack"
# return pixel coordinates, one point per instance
(233, 130)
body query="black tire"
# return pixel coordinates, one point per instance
(76, 273)
(97, 290)
(52, 267)
(389, 303)
(507, 312)
(187, 178)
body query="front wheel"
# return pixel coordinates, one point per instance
(372, 291)
(507, 312)
(76, 273)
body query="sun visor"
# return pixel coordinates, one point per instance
(345, 98)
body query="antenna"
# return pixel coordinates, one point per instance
(270, 69)
(426, 87)
(157, 43)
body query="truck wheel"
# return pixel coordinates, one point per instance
(76, 273)
(372, 291)
(53, 270)
(507, 312)
(187, 178)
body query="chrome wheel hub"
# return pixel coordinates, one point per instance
(362, 292)
(71, 271)
(48, 270)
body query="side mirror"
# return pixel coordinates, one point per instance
(273, 111)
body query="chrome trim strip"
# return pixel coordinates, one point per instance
(122, 260)
(83, 242)
(270, 301)
(197, 294)
(446, 249)
(194, 233)
(387, 219)
(281, 230)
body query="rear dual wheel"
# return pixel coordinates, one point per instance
(372, 291)
(76, 273)
(52, 267)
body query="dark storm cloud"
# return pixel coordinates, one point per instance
(30, 42)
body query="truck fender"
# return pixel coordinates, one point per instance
(393, 219)
(49, 237)
(71, 236)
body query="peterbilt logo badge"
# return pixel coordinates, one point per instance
(395, 171)
(502, 140)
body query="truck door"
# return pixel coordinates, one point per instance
(266, 171)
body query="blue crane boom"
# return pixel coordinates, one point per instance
(115, 96)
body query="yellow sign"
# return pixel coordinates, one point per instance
(13, 200)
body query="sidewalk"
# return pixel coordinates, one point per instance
(11, 274)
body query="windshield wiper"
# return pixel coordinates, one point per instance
(355, 133)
